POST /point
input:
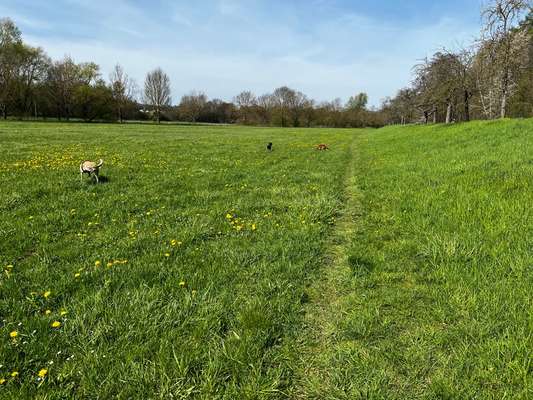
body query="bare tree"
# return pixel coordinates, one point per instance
(501, 18)
(123, 89)
(192, 105)
(157, 91)
(245, 101)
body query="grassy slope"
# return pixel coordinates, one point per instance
(433, 296)
(131, 330)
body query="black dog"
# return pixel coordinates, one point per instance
(269, 147)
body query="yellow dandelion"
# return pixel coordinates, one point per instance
(47, 294)
(13, 334)
(42, 373)
(47, 312)
(56, 324)
(97, 263)
(173, 242)
(14, 374)
(63, 312)
(2, 381)
(77, 275)
(254, 227)
(109, 264)
(182, 284)
(229, 216)
(193, 293)
(167, 254)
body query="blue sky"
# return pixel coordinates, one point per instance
(325, 48)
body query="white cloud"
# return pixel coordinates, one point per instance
(335, 57)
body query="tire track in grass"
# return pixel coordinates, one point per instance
(325, 295)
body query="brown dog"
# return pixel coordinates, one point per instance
(91, 168)
(322, 147)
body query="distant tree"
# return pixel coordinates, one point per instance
(65, 79)
(287, 106)
(32, 67)
(357, 102)
(500, 18)
(94, 101)
(157, 91)
(123, 90)
(191, 106)
(245, 102)
(10, 46)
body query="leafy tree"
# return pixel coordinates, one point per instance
(357, 102)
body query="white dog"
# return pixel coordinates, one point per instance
(90, 168)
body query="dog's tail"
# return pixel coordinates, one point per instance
(100, 163)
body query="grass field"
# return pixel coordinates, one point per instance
(396, 265)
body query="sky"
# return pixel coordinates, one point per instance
(324, 48)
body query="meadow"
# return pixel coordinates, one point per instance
(396, 265)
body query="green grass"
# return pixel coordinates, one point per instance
(396, 265)
(433, 294)
(131, 330)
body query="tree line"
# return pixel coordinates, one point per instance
(34, 86)
(490, 79)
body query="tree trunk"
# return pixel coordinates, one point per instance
(467, 106)
(449, 112)
(503, 107)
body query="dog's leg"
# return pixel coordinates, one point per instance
(96, 176)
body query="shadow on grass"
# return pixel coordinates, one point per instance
(102, 180)
(359, 265)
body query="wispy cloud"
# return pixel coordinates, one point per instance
(327, 49)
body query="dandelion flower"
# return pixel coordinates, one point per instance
(193, 293)
(254, 227)
(167, 254)
(2, 381)
(182, 284)
(13, 334)
(97, 263)
(63, 312)
(109, 264)
(14, 374)
(42, 373)
(47, 294)
(47, 312)
(77, 275)
(229, 216)
(56, 324)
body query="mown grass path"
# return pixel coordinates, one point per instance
(326, 294)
